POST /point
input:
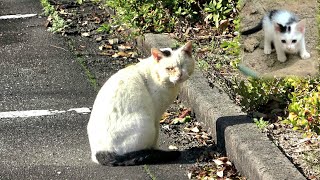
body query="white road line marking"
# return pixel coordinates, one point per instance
(17, 16)
(35, 113)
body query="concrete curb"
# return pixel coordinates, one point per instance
(253, 154)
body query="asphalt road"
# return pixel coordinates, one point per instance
(38, 72)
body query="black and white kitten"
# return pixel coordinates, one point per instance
(285, 31)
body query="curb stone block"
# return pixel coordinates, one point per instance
(253, 154)
(149, 40)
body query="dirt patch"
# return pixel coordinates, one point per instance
(268, 65)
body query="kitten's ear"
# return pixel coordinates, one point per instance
(277, 27)
(301, 26)
(156, 54)
(188, 48)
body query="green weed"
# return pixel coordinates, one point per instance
(218, 10)
(261, 123)
(203, 65)
(58, 24)
(91, 77)
(104, 28)
(299, 98)
(163, 16)
(146, 168)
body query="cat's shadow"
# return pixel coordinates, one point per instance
(196, 154)
(207, 153)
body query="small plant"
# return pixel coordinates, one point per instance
(300, 98)
(58, 24)
(80, 2)
(261, 123)
(105, 28)
(218, 10)
(162, 16)
(256, 93)
(147, 170)
(203, 65)
(231, 47)
(48, 9)
(304, 109)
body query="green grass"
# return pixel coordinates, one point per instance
(146, 168)
(261, 123)
(58, 24)
(92, 79)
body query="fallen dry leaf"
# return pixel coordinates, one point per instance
(220, 173)
(120, 54)
(105, 46)
(106, 53)
(222, 161)
(123, 47)
(97, 20)
(189, 175)
(84, 23)
(113, 41)
(85, 34)
(133, 54)
(184, 113)
(172, 147)
(98, 39)
(195, 129)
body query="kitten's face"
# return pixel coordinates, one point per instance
(290, 36)
(290, 42)
(175, 66)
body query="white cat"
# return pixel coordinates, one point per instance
(124, 124)
(285, 31)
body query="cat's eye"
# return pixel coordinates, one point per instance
(170, 69)
(283, 41)
(294, 41)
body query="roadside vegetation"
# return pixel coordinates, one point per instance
(214, 26)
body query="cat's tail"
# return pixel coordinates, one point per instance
(252, 30)
(148, 156)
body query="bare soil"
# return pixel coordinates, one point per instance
(268, 65)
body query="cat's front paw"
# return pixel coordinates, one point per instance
(305, 55)
(282, 58)
(267, 50)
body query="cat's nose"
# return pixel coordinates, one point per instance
(290, 48)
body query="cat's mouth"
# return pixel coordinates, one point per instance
(178, 80)
(291, 51)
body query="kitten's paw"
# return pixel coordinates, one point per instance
(282, 58)
(267, 50)
(305, 55)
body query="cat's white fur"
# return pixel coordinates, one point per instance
(272, 34)
(127, 110)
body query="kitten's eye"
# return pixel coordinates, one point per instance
(294, 41)
(283, 41)
(170, 69)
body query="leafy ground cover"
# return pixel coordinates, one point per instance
(286, 109)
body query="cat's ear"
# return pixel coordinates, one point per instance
(301, 26)
(188, 48)
(278, 27)
(156, 54)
